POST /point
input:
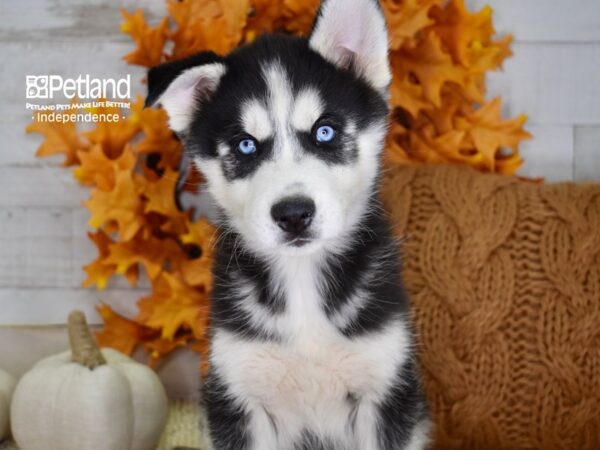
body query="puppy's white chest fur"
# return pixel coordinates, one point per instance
(314, 378)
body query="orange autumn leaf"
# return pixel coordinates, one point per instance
(299, 15)
(409, 95)
(264, 16)
(460, 30)
(435, 149)
(489, 133)
(510, 164)
(157, 137)
(173, 305)
(197, 270)
(152, 253)
(59, 138)
(489, 57)
(113, 136)
(149, 40)
(406, 18)
(442, 118)
(96, 169)
(120, 333)
(172, 225)
(161, 194)
(215, 25)
(395, 152)
(99, 271)
(430, 65)
(121, 205)
(202, 233)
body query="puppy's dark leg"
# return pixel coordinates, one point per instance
(227, 421)
(403, 416)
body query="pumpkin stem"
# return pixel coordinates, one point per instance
(84, 349)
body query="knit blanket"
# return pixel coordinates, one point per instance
(504, 281)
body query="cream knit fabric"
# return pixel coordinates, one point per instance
(183, 430)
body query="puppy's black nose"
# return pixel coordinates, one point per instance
(293, 214)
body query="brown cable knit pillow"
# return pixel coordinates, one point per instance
(504, 278)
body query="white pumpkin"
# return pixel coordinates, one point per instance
(88, 399)
(7, 386)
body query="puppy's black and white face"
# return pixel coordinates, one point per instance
(288, 131)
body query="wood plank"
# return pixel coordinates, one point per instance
(47, 247)
(18, 148)
(36, 248)
(546, 20)
(43, 186)
(549, 154)
(46, 306)
(22, 347)
(50, 20)
(555, 84)
(587, 153)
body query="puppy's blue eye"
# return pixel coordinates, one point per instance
(325, 133)
(247, 146)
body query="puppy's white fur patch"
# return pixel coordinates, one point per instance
(420, 436)
(222, 149)
(308, 108)
(256, 121)
(279, 103)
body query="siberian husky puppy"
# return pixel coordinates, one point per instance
(312, 348)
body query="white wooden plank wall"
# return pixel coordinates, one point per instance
(43, 242)
(554, 78)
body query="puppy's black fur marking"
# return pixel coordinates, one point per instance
(403, 409)
(370, 264)
(234, 264)
(227, 420)
(311, 442)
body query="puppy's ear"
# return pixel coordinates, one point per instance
(352, 34)
(181, 86)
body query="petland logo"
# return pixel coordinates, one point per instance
(83, 87)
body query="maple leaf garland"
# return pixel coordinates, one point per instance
(440, 53)
(132, 205)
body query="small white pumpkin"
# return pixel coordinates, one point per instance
(7, 386)
(88, 399)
